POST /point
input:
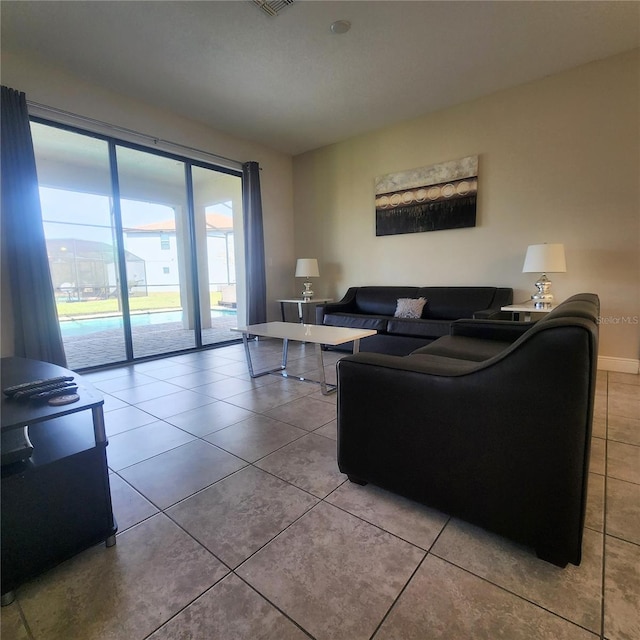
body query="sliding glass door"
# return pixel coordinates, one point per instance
(141, 246)
(217, 206)
(155, 225)
(77, 212)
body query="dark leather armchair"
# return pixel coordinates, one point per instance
(491, 424)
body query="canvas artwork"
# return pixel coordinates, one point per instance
(442, 196)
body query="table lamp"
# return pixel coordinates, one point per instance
(545, 258)
(307, 268)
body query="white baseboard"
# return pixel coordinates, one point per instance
(621, 365)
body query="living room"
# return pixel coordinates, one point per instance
(558, 162)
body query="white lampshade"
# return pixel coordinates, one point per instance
(307, 268)
(545, 258)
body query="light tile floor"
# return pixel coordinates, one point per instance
(235, 523)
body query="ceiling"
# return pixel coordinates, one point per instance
(288, 82)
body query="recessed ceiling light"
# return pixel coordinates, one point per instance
(340, 26)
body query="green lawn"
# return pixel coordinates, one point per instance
(162, 300)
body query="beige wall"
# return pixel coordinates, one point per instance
(55, 88)
(558, 162)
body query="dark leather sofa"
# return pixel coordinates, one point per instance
(491, 424)
(374, 307)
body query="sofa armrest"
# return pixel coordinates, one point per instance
(502, 330)
(346, 305)
(503, 297)
(491, 314)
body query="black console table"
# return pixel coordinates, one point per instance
(58, 501)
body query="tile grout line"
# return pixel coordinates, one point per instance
(395, 600)
(23, 618)
(274, 605)
(506, 590)
(404, 588)
(231, 570)
(604, 516)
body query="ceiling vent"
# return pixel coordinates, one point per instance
(273, 7)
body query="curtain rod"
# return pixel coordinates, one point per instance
(236, 164)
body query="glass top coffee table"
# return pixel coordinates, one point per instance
(314, 333)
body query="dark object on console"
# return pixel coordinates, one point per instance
(374, 307)
(16, 446)
(491, 424)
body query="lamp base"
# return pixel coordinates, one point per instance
(543, 298)
(307, 294)
(542, 303)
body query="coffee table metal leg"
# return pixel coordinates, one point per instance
(323, 381)
(325, 387)
(247, 353)
(356, 346)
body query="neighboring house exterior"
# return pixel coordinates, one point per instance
(158, 243)
(82, 269)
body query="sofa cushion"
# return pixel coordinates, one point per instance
(409, 307)
(412, 327)
(463, 348)
(356, 321)
(382, 301)
(451, 303)
(395, 345)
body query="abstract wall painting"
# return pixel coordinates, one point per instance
(442, 196)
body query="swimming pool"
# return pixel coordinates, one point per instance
(75, 327)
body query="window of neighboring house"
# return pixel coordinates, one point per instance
(165, 244)
(165, 270)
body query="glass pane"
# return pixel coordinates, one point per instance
(153, 204)
(75, 194)
(217, 203)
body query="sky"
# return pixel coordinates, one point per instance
(92, 211)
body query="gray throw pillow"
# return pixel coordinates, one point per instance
(410, 307)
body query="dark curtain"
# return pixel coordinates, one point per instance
(254, 244)
(36, 328)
